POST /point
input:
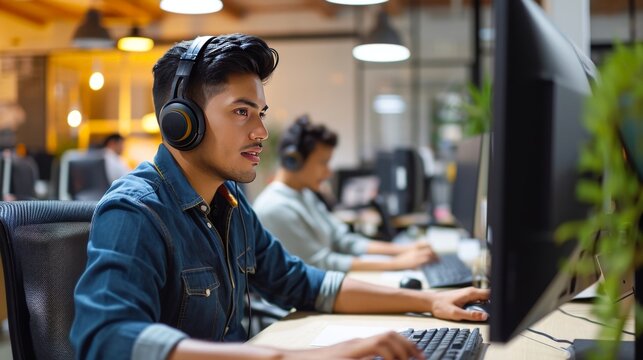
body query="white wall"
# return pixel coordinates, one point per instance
(316, 78)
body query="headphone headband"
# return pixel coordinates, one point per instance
(187, 61)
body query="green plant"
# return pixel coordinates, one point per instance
(477, 108)
(614, 227)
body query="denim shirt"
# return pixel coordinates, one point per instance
(164, 265)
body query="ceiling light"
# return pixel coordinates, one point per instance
(96, 81)
(91, 34)
(135, 41)
(192, 6)
(74, 118)
(357, 2)
(389, 104)
(382, 44)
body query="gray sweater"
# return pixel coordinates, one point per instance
(306, 228)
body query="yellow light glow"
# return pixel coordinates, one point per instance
(150, 124)
(74, 118)
(135, 43)
(96, 81)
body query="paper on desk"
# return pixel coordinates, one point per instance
(333, 334)
(443, 239)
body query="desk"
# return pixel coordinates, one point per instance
(299, 329)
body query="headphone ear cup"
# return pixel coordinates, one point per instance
(291, 158)
(182, 124)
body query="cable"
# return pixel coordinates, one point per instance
(245, 259)
(625, 296)
(543, 343)
(549, 336)
(594, 321)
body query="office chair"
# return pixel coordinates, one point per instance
(43, 247)
(82, 175)
(19, 176)
(264, 314)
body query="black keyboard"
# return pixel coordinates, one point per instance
(445, 343)
(448, 271)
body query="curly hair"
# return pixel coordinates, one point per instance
(304, 135)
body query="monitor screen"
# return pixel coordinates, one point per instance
(540, 85)
(356, 187)
(465, 186)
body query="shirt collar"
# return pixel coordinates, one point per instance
(183, 192)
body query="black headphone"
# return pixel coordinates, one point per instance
(181, 120)
(292, 157)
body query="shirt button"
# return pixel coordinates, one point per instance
(204, 208)
(207, 292)
(209, 225)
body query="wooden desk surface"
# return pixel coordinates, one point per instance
(299, 329)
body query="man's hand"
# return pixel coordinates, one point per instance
(448, 304)
(389, 346)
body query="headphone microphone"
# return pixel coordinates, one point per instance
(182, 121)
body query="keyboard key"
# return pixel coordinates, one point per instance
(448, 271)
(446, 343)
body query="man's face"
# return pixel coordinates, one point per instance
(315, 169)
(234, 130)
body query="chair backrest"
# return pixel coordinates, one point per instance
(19, 176)
(43, 246)
(83, 175)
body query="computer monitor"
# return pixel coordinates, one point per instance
(356, 188)
(402, 180)
(540, 85)
(464, 198)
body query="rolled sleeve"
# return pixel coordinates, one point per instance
(328, 292)
(156, 342)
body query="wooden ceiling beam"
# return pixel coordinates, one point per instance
(22, 13)
(395, 7)
(60, 9)
(234, 9)
(327, 9)
(125, 9)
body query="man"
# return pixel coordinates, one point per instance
(113, 145)
(291, 210)
(173, 245)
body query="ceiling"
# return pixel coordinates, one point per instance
(42, 12)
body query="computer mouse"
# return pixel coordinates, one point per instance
(478, 306)
(408, 282)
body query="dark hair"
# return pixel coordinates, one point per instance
(304, 136)
(224, 56)
(112, 137)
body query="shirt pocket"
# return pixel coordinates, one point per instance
(246, 261)
(200, 306)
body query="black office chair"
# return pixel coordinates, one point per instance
(82, 175)
(19, 176)
(43, 246)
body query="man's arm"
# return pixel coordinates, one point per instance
(361, 297)
(389, 346)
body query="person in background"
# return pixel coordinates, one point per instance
(291, 210)
(174, 248)
(113, 145)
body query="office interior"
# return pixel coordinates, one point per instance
(50, 107)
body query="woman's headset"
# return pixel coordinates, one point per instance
(181, 120)
(292, 157)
